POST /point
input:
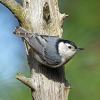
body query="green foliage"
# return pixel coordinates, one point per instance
(83, 27)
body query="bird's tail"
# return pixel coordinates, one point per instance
(21, 32)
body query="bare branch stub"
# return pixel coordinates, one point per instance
(63, 16)
(26, 3)
(25, 80)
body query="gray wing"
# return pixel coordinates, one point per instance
(42, 45)
(50, 52)
(46, 48)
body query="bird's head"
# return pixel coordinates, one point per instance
(67, 48)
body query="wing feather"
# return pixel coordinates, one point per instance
(44, 46)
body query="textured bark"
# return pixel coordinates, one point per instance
(42, 17)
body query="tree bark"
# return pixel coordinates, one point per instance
(41, 17)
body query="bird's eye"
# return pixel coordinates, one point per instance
(69, 47)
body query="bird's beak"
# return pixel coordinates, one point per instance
(79, 49)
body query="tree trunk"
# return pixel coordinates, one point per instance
(41, 17)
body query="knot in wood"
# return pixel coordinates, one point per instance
(46, 13)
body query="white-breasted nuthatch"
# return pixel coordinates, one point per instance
(49, 50)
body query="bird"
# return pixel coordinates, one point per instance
(50, 51)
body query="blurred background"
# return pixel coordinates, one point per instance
(83, 71)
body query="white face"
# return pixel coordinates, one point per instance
(66, 50)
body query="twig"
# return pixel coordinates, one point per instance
(26, 81)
